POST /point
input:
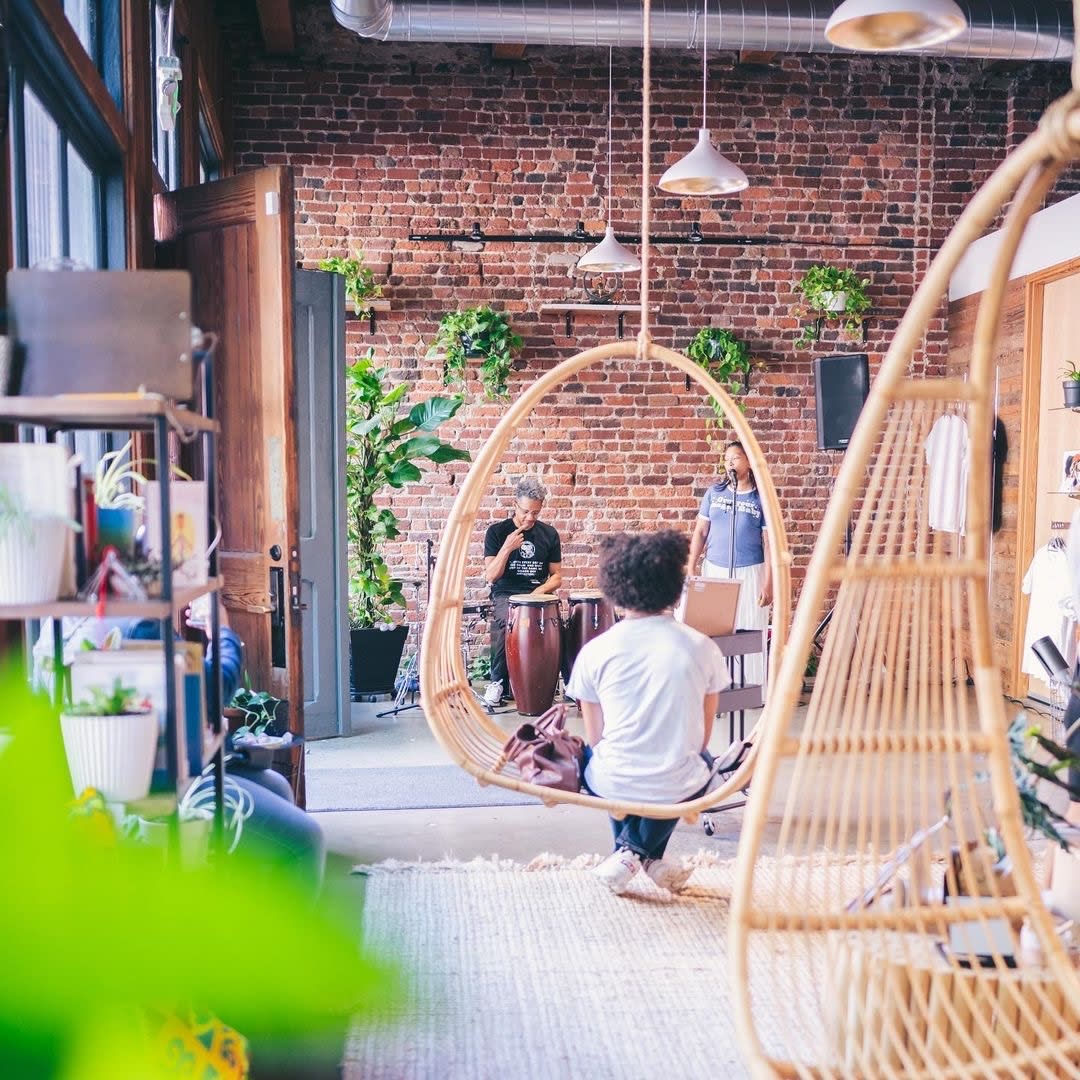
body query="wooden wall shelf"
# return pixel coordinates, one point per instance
(570, 310)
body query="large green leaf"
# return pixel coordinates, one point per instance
(445, 453)
(403, 472)
(428, 415)
(420, 446)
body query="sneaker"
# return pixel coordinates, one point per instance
(617, 869)
(493, 694)
(667, 875)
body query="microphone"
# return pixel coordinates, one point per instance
(733, 478)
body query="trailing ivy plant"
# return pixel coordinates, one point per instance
(820, 286)
(385, 450)
(726, 358)
(360, 284)
(477, 332)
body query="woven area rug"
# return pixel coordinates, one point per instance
(539, 972)
(419, 787)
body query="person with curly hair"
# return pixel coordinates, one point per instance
(648, 690)
(522, 554)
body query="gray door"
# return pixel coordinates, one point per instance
(319, 320)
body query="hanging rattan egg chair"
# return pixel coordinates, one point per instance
(880, 940)
(469, 735)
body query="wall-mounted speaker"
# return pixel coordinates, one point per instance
(841, 384)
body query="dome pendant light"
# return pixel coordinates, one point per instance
(609, 256)
(704, 171)
(894, 25)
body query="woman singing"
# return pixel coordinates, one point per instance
(737, 495)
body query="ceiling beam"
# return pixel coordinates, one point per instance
(276, 23)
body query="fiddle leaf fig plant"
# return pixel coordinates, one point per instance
(361, 288)
(386, 449)
(726, 358)
(477, 332)
(832, 292)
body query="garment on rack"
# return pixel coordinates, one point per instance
(947, 457)
(1051, 611)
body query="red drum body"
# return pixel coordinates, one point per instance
(533, 651)
(590, 616)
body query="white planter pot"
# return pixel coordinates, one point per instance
(834, 301)
(194, 838)
(32, 562)
(114, 754)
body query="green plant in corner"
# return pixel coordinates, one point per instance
(726, 358)
(832, 292)
(476, 332)
(361, 288)
(384, 450)
(1071, 372)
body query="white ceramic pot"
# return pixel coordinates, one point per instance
(194, 837)
(32, 561)
(834, 301)
(114, 754)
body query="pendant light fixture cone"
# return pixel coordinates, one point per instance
(894, 25)
(609, 256)
(704, 171)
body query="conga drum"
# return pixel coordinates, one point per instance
(590, 615)
(533, 650)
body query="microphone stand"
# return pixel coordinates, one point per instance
(733, 483)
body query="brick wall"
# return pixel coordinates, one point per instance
(862, 161)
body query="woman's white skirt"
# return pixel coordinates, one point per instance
(748, 615)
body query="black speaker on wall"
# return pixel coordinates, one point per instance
(841, 384)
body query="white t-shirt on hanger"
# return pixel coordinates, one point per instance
(947, 452)
(1048, 583)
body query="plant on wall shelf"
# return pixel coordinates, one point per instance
(361, 288)
(831, 292)
(726, 358)
(477, 332)
(1070, 385)
(384, 450)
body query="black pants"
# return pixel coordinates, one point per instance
(499, 615)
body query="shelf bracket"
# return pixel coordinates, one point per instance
(622, 328)
(569, 324)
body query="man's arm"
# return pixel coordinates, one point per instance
(554, 579)
(711, 701)
(697, 543)
(495, 565)
(593, 716)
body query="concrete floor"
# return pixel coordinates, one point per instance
(510, 832)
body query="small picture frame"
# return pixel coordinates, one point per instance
(1070, 472)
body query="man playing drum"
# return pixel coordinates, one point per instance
(521, 555)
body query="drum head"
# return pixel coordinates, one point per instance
(532, 599)
(586, 594)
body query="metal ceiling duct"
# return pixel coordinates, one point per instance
(997, 29)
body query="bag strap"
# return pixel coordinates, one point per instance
(553, 720)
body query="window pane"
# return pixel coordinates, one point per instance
(82, 14)
(82, 210)
(42, 177)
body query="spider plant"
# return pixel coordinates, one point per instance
(114, 480)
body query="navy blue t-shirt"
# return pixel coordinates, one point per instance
(529, 566)
(749, 524)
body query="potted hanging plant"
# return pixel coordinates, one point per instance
(832, 293)
(118, 504)
(110, 739)
(726, 358)
(33, 547)
(1070, 384)
(385, 450)
(476, 333)
(261, 730)
(361, 288)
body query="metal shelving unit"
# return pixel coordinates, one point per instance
(141, 412)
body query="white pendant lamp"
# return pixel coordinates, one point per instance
(704, 171)
(609, 256)
(894, 25)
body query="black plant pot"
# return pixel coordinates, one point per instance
(1071, 388)
(473, 349)
(374, 658)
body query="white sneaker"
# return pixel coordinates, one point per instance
(493, 694)
(617, 869)
(667, 875)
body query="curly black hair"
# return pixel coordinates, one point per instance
(643, 571)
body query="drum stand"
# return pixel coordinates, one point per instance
(478, 612)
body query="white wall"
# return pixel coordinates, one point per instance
(1052, 237)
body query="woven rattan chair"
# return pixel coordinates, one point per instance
(471, 738)
(845, 959)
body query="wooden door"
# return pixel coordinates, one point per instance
(235, 236)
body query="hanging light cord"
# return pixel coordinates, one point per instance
(646, 75)
(609, 63)
(704, 64)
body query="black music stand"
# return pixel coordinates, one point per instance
(407, 683)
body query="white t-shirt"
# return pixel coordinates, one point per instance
(947, 458)
(650, 676)
(1049, 585)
